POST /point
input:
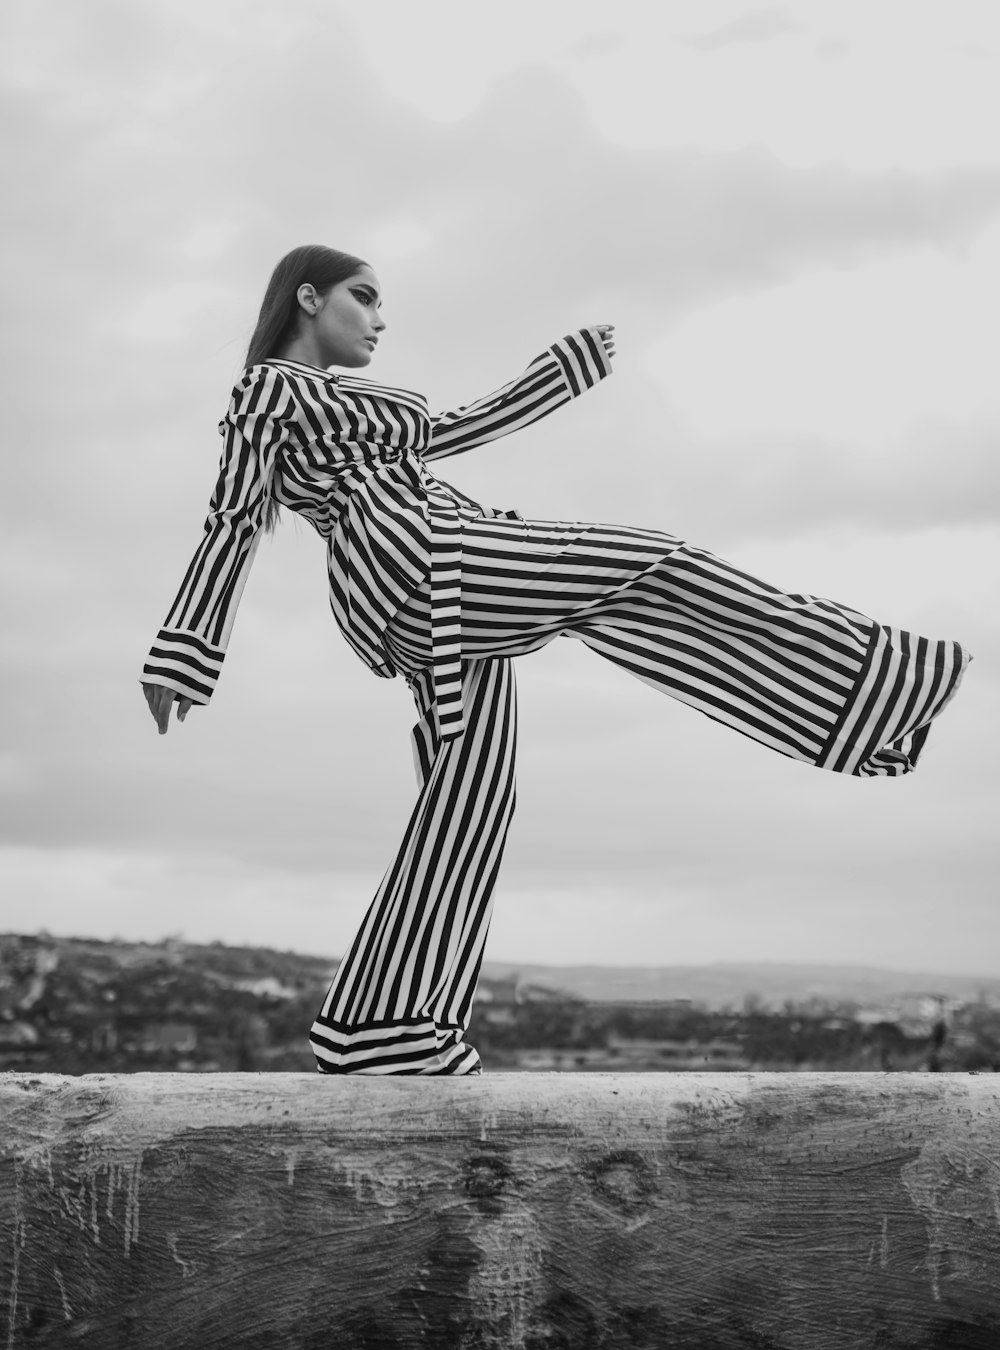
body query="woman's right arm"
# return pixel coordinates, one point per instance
(186, 658)
(561, 373)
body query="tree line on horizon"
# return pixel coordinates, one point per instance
(79, 1006)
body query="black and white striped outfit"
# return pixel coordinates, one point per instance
(429, 584)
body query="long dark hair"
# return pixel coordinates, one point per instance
(322, 268)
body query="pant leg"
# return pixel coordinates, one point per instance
(402, 997)
(805, 676)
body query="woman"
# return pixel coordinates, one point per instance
(427, 583)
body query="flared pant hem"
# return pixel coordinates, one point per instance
(408, 1045)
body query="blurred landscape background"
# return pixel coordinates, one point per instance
(78, 1005)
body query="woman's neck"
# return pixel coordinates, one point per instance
(303, 348)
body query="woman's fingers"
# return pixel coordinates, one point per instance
(153, 693)
(163, 703)
(606, 330)
(159, 698)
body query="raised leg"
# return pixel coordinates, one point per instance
(808, 677)
(402, 996)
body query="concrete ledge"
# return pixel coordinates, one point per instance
(777, 1211)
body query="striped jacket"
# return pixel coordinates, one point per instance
(350, 455)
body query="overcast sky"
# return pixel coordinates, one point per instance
(792, 216)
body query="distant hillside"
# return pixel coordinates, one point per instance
(81, 1005)
(719, 985)
(728, 984)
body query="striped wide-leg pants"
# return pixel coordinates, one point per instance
(402, 996)
(810, 678)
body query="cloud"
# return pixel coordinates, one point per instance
(759, 26)
(860, 354)
(663, 231)
(163, 159)
(543, 224)
(786, 487)
(604, 917)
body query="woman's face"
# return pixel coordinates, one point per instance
(346, 322)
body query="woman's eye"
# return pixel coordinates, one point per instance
(363, 296)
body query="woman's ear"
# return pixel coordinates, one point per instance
(307, 297)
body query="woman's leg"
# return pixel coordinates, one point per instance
(402, 996)
(805, 676)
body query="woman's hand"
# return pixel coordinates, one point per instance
(159, 698)
(607, 331)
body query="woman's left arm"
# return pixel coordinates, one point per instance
(563, 371)
(186, 657)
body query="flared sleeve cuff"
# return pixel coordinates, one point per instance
(583, 359)
(185, 663)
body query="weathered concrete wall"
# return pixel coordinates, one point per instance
(781, 1212)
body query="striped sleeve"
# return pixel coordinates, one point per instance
(188, 652)
(569, 367)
